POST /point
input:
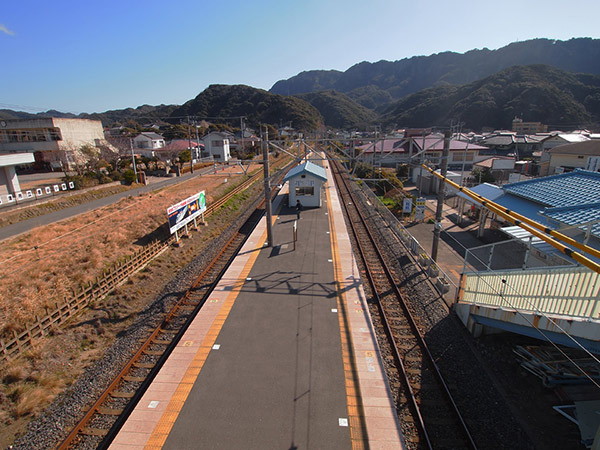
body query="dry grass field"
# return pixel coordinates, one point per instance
(38, 269)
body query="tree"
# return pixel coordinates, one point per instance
(482, 175)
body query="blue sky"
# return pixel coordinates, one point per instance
(88, 56)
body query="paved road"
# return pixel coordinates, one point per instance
(28, 225)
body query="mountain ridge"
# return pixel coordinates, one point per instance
(406, 76)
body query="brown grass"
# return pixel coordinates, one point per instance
(76, 251)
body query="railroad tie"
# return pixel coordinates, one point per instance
(93, 432)
(118, 394)
(110, 411)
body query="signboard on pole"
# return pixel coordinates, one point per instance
(184, 212)
(420, 209)
(407, 205)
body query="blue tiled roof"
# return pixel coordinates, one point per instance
(307, 167)
(567, 189)
(575, 215)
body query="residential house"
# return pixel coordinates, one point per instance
(556, 139)
(55, 142)
(582, 155)
(147, 142)
(217, 146)
(509, 143)
(171, 151)
(500, 167)
(416, 150)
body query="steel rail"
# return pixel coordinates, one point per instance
(387, 327)
(411, 320)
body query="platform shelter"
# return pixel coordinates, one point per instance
(306, 181)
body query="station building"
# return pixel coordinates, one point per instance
(306, 181)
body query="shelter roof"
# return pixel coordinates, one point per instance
(307, 167)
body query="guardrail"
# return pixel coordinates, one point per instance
(573, 292)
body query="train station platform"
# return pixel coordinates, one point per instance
(283, 354)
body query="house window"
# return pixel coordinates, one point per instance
(217, 156)
(305, 190)
(580, 156)
(217, 143)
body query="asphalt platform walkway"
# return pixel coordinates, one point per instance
(282, 355)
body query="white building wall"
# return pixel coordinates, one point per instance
(298, 183)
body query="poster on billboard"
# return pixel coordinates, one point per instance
(185, 211)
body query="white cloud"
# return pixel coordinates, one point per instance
(6, 30)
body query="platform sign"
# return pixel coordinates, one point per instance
(420, 209)
(407, 205)
(184, 212)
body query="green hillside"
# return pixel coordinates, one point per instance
(534, 93)
(257, 105)
(393, 80)
(339, 110)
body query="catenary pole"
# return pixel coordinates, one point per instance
(440, 199)
(267, 186)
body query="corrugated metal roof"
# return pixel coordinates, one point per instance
(576, 215)
(567, 189)
(309, 168)
(524, 236)
(486, 190)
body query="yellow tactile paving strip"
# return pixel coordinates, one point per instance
(166, 422)
(358, 432)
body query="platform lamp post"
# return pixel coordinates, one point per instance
(265, 145)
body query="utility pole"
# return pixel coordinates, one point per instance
(241, 135)
(190, 146)
(133, 159)
(440, 200)
(197, 139)
(267, 186)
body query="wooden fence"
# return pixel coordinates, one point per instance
(86, 294)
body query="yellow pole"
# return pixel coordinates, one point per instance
(531, 226)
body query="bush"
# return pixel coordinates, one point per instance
(104, 179)
(129, 176)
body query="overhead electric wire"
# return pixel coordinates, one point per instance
(528, 225)
(487, 204)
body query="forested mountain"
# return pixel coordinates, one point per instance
(142, 114)
(534, 93)
(339, 110)
(257, 105)
(375, 84)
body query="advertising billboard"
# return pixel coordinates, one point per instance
(185, 211)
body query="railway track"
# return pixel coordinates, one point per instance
(105, 417)
(428, 414)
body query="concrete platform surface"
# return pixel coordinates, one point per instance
(283, 355)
